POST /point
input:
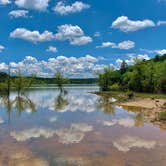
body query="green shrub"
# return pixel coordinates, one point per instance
(114, 87)
(162, 115)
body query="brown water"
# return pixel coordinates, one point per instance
(76, 129)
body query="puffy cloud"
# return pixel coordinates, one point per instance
(159, 52)
(106, 44)
(63, 9)
(161, 23)
(126, 143)
(142, 57)
(1, 48)
(40, 5)
(133, 58)
(82, 67)
(119, 61)
(18, 13)
(52, 49)
(4, 2)
(74, 34)
(35, 132)
(125, 45)
(31, 36)
(3, 66)
(127, 25)
(81, 40)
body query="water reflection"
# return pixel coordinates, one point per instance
(126, 143)
(106, 104)
(23, 104)
(61, 102)
(76, 128)
(18, 103)
(35, 132)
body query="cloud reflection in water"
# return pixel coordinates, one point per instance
(126, 143)
(35, 132)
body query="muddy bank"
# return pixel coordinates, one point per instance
(150, 105)
(147, 103)
(151, 109)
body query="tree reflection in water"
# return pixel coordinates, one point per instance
(139, 116)
(20, 104)
(61, 101)
(106, 105)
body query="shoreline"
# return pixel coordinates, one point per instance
(151, 105)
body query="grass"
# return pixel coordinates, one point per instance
(162, 115)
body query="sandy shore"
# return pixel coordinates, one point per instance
(147, 103)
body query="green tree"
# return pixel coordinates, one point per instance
(123, 67)
(21, 83)
(60, 81)
(104, 79)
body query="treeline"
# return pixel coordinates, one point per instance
(47, 81)
(144, 76)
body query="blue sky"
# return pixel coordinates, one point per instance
(79, 37)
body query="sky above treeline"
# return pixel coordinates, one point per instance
(79, 38)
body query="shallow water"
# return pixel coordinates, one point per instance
(46, 128)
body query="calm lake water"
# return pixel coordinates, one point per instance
(46, 128)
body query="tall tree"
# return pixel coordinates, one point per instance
(123, 67)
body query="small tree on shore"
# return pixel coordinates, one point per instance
(21, 83)
(60, 81)
(104, 79)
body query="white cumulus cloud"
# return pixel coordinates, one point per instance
(40, 5)
(157, 51)
(52, 49)
(74, 34)
(124, 24)
(132, 59)
(18, 13)
(125, 45)
(31, 36)
(106, 44)
(82, 67)
(63, 9)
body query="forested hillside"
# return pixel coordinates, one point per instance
(144, 76)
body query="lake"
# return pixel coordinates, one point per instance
(76, 128)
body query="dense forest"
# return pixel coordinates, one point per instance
(144, 76)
